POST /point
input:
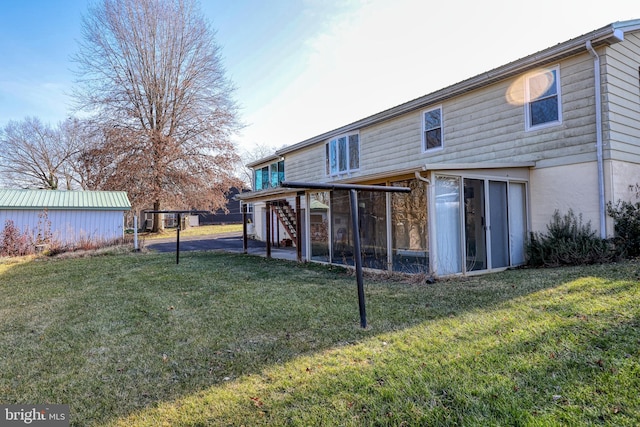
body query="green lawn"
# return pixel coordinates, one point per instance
(220, 339)
(203, 230)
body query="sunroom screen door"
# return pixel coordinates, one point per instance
(517, 222)
(474, 224)
(499, 229)
(448, 225)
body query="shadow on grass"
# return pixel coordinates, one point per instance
(548, 358)
(222, 338)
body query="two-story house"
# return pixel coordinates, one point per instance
(488, 160)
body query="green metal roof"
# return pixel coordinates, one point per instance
(57, 199)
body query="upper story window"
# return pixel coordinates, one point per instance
(269, 176)
(342, 154)
(276, 171)
(542, 96)
(432, 129)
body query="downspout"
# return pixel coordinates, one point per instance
(421, 178)
(596, 71)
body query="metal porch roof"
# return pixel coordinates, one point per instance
(57, 199)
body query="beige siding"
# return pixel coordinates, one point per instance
(624, 181)
(479, 127)
(394, 144)
(483, 127)
(562, 188)
(306, 165)
(621, 95)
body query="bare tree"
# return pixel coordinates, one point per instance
(255, 153)
(35, 155)
(151, 75)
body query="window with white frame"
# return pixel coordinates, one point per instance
(269, 176)
(542, 95)
(342, 154)
(432, 129)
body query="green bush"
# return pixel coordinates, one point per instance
(568, 242)
(626, 216)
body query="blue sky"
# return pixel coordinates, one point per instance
(303, 67)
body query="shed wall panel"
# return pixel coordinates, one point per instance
(68, 226)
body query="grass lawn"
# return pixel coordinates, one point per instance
(221, 339)
(203, 230)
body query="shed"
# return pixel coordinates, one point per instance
(69, 216)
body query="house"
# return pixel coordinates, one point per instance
(230, 214)
(68, 216)
(488, 160)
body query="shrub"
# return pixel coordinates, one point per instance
(568, 242)
(13, 242)
(626, 216)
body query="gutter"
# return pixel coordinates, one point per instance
(599, 150)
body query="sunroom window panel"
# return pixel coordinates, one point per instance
(448, 227)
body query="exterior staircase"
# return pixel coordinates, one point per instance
(287, 217)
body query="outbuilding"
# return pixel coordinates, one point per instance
(67, 216)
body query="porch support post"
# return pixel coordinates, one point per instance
(178, 238)
(357, 256)
(268, 224)
(298, 227)
(244, 229)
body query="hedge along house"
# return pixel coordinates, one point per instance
(69, 216)
(488, 160)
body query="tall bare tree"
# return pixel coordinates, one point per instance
(150, 72)
(256, 152)
(37, 155)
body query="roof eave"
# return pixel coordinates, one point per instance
(268, 159)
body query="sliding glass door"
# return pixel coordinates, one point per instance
(487, 231)
(475, 233)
